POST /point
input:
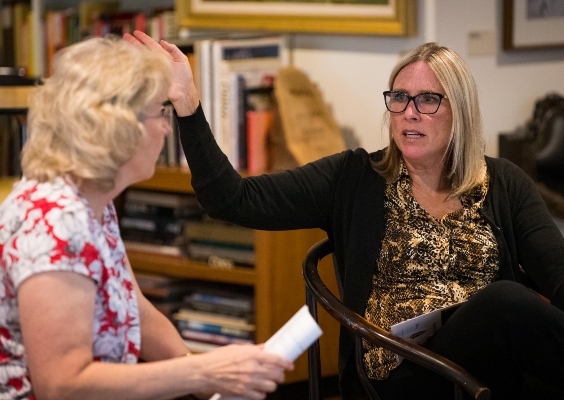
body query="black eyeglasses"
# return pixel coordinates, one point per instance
(425, 103)
(165, 113)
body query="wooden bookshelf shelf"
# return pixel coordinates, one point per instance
(181, 267)
(14, 98)
(6, 184)
(170, 179)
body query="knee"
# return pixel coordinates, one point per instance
(506, 298)
(503, 290)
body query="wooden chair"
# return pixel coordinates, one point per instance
(317, 292)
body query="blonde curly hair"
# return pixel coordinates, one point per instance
(84, 120)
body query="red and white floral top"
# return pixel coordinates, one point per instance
(50, 227)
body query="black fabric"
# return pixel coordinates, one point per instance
(550, 159)
(506, 336)
(344, 196)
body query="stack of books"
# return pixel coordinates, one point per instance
(154, 221)
(220, 244)
(166, 293)
(215, 316)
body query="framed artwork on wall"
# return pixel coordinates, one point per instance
(376, 17)
(533, 24)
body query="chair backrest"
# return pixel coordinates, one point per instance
(317, 292)
(550, 158)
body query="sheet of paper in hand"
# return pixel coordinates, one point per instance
(291, 340)
(420, 328)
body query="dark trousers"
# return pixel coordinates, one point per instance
(506, 336)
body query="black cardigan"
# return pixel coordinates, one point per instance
(344, 196)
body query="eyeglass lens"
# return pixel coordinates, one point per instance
(167, 112)
(425, 103)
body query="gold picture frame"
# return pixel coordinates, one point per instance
(527, 28)
(371, 17)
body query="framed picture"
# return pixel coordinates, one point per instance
(379, 17)
(533, 24)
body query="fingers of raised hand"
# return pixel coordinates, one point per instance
(174, 51)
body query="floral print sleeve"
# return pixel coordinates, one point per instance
(49, 227)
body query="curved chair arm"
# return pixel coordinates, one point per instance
(379, 336)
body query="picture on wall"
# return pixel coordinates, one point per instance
(380, 17)
(533, 24)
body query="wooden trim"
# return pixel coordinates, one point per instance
(15, 98)
(171, 179)
(402, 23)
(181, 267)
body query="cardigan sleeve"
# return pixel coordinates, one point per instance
(539, 243)
(295, 199)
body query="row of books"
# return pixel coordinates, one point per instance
(68, 26)
(220, 244)
(172, 154)
(235, 78)
(175, 224)
(154, 221)
(207, 315)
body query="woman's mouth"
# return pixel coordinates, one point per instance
(412, 135)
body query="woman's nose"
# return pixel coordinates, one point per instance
(411, 111)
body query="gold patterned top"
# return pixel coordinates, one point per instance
(426, 263)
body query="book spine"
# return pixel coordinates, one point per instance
(258, 127)
(212, 337)
(242, 304)
(214, 328)
(202, 55)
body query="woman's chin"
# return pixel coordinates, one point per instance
(144, 175)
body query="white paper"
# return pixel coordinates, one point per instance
(292, 339)
(295, 336)
(420, 328)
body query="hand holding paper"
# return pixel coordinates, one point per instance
(292, 339)
(295, 336)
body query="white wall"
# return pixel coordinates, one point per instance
(352, 71)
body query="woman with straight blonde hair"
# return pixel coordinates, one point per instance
(465, 154)
(73, 321)
(427, 223)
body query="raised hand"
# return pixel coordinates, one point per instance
(182, 92)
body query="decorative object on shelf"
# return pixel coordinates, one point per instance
(306, 129)
(533, 25)
(382, 17)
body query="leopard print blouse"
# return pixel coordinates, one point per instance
(426, 263)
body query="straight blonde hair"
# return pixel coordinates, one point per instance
(465, 164)
(84, 120)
